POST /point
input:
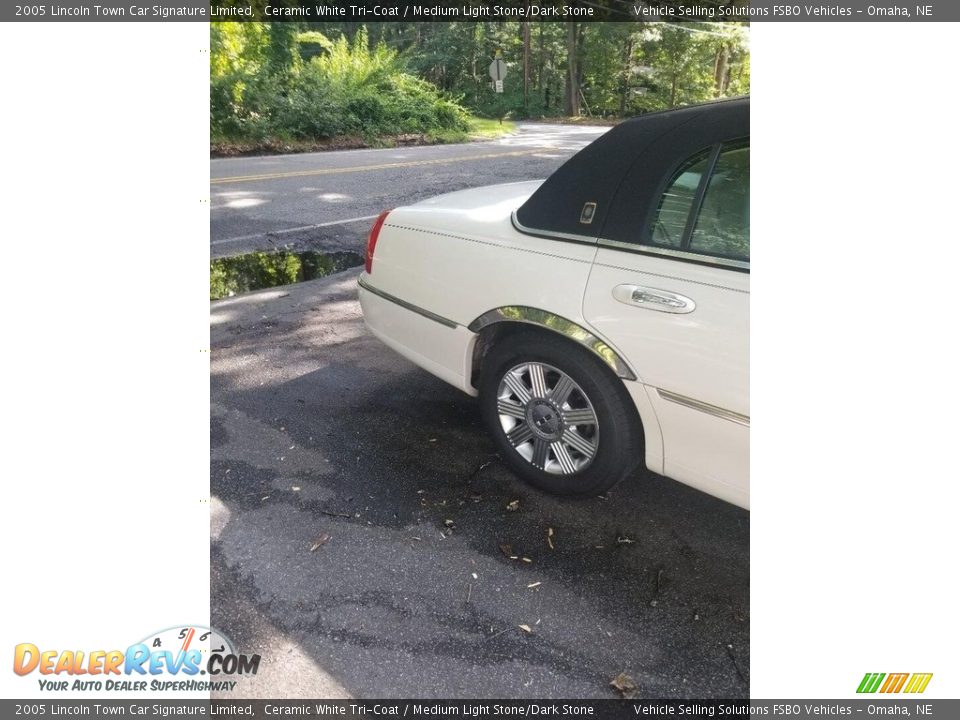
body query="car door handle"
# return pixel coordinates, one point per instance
(654, 299)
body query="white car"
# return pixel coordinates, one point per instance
(601, 315)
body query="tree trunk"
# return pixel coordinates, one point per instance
(625, 74)
(573, 85)
(526, 61)
(720, 74)
(541, 59)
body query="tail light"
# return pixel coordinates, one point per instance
(372, 240)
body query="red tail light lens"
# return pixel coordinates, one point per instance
(372, 240)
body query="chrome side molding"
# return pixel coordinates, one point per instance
(705, 407)
(404, 304)
(678, 254)
(567, 328)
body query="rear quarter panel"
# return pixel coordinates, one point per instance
(461, 267)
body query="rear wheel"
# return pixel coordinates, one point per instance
(561, 420)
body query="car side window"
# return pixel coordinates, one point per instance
(705, 208)
(673, 210)
(722, 228)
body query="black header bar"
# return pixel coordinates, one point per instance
(918, 706)
(371, 11)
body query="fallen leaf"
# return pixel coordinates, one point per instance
(625, 685)
(533, 585)
(507, 550)
(513, 506)
(448, 523)
(321, 540)
(526, 628)
(550, 537)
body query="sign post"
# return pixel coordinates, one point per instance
(498, 70)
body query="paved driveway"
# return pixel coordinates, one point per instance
(360, 523)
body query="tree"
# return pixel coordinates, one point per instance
(609, 69)
(573, 75)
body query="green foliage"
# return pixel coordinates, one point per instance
(348, 88)
(623, 69)
(307, 81)
(229, 276)
(456, 57)
(687, 67)
(258, 270)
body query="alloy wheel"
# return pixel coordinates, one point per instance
(547, 418)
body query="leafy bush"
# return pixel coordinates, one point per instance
(229, 276)
(258, 270)
(346, 89)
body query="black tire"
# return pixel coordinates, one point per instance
(619, 436)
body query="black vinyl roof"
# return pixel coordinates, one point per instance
(623, 170)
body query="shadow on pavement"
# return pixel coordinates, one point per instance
(358, 516)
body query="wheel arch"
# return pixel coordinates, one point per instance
(494, 326)
(514, 318)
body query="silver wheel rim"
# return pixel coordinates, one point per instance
(548, 418)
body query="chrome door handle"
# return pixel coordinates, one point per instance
(654, 299)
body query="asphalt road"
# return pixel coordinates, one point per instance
(359, 509)
(325, 201)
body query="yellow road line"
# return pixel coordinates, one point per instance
(363, 168)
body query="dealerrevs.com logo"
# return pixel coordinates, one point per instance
(894, 682)
(183, 659)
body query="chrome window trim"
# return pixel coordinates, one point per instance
(677, 254)
(630, 247)
(585, 239)
(705, 407)
(404, 304)
(555, 323)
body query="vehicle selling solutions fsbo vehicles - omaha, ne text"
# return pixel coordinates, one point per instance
(601, 315)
